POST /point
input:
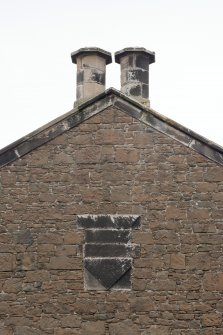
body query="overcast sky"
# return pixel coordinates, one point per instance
(37, 77)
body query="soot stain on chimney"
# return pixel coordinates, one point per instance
(135, 90)
(98, 77)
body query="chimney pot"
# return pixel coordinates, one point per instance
(91, 71)
(135, 72)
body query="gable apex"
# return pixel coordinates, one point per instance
(111, 97)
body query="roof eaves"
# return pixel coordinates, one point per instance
(51, 130)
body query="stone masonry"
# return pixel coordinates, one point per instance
(111, 164)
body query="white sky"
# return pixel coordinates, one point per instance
(37, 77)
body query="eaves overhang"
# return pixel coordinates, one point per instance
(111, 97)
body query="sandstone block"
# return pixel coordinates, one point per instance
(166, 237)
(159, 330)
(143, 237)
(126, 327)
(213, 281)
(66, 331)
(6, 330)
(7, 262)
(126, 155)
(198, 213)
(173, 212)
(23, 330)
(177, 261)
(72, 237)
(70, 321)
(199, 261)
(93, 327)
(214, 174)
(212, 319)
(141, 304)
(64, 263)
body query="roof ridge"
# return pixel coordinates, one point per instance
(86, 109)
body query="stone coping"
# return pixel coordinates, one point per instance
(150, 54)
(91, 51)
(83, 110)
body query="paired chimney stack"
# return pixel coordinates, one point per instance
(135, 72)
(91, 72)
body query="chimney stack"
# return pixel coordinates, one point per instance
(91, 71)
(135, 72)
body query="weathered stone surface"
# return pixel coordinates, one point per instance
(177, 261)
(72, 237)
(6, 330)
(24, 237)
(108, 250)
(107, 271)
(7, 262)
(123, 328)
(66, 331)
(199, 261)
(107, 236)
(4, 308)
(26, 261)
(212, 319)
(64, 263)
(174, 284)
(23, 330)
(141, 304)
(92, 328)
(71, 321)
(213, 281)
(159, 330)
(108, 221)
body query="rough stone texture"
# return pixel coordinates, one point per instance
(177, 282)
(135, 72)
(91, 71)
(107, 236)
(108, 271)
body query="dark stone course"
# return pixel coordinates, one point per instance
(130, 62)
(167, 129)
(24, 237)
(135, 90)
(108, 221)
(128, 108)
(141, 76)
(7, 157)
(108, 250)
(30, 144)
(107, 236)
(79, 92)
(108, 271)
(206, 151)
(98, 77)
(124, 282)
(142, 62)
(80, 77)
(137, 223)
(134, 51)
(145, 91)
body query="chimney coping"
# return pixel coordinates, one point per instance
(91, 50)
(125, 51)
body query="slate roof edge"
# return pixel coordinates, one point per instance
(95, 105)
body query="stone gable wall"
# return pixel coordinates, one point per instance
(111, 164)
